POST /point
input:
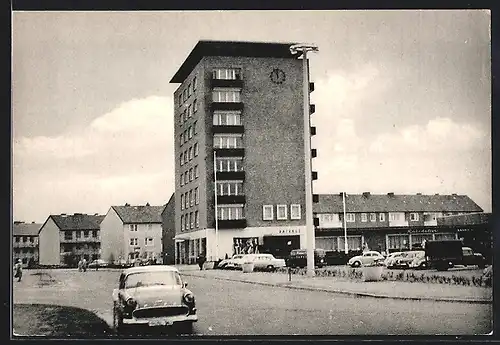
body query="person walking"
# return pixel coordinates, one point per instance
(84, 265)
(201, 260)
(18, 270)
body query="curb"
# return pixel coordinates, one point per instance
(352, 293)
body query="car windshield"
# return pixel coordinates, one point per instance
(237, 256)
(152, 278)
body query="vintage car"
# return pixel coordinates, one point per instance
(152, 296)
(98, 263)
(261, 261)
(406, 259)
(232, 262)
(391, 258)
(367, 258)
(298, 258)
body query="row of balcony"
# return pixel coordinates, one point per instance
(238, 83)
(25, 245)
(80, 240)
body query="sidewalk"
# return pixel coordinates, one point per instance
(380, 289)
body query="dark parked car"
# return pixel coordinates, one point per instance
(448, 253)
(470, 258)
(298, 258)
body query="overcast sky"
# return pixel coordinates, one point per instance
(402, 101)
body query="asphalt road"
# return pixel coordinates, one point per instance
(233, 308)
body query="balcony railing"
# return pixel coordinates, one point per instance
(229, 152)
(226, 106)
(226, 83)
(230, 175)
(231, 199)
(231, 224)
(25, 245)
(227, 129)
(80, 240)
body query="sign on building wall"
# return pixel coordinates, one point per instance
(289, 232)
(245, 245)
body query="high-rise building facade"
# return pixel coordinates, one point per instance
(239, 110)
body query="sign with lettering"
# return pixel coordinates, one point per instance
(289, 231)
(422, 231)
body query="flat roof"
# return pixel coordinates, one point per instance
(232, 48)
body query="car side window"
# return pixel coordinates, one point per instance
(122, 281)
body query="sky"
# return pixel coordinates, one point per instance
(403, 101)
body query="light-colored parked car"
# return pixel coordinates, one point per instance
(389, 260)
(152, 296)
(232, 262)
(98, 262)
(367, 258)
(419, 261)
(263, 261)
(407, 258)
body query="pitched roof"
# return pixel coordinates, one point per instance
(77, 221)
(231, 48)
(139, 214)
(465, 219)
(25, 229)
(395, 203)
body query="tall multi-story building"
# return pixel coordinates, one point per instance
(64, 239)
(240, 104)
(386, 222)
(25, 242)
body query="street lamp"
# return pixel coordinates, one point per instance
(294, 49)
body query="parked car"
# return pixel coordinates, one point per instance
(470, 258)
(419, 262)
(298, 258)
(389, 259)
(263, 261)
(232, 262)
(367, 258)
(153, 296)
(406, 258)
(98, 263)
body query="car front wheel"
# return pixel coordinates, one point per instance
(270, 268)
(356, 264)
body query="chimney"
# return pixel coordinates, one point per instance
(436, 194)
(419, 193)
(96, 214)
(18, 222)
(366, 194)
(391, 194)
(127, 204)
(32, 222)
(77, 214)
(147, 204)
(454, 194)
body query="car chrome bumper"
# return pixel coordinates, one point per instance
(161, 321)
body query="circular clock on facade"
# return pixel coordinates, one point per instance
(277, 76)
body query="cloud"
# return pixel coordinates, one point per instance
(125, 155)
(440, 135)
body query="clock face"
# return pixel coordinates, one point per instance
(277, 76)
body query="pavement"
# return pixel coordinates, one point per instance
(378, 289)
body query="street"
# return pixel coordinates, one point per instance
(235, 308)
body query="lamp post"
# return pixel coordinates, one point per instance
(294, 49)
(346, 246)
(216, 215)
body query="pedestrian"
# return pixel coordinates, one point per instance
(201, 260)
(18, 270)
(80, 265)
(84, 265)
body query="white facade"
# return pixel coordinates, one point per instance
(124, 241)
(49, 252)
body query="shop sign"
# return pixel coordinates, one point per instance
(463, 229)
(422, 231)
(289, 231)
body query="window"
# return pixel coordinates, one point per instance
(195, 106)
(182, 180)
(394, 216)
(186, 177)
(228, 141)
(181, 158)
(364, 217)
(17, 238)
(230, 188)
(94, 233)
(328, 220)
(182, 223)
(373, 217)
(133, 227)
(230, 212)
(227, 73)
(350, 217)
(189, 111)
(295, 211)
(148, 241)
(184, 95)
(191, 220)
(267, 212)
(227, 118)
(382, 217)
(182, 202)
(186, 135)
(186, 197)
(78, 234)
(194, 127)
(191, 198)
(398, 241)
(229, 164)
(414, 217)
(226, 95)
(190, 174)
(281, 212)
(180, 99)
(189, 90)
(196, 150)
(134, 242)
(68, 235)
(181, 139)
(197, 219)
(194, 84)
(190, 153)
(190, 132)
(196, 196)
(196, 171)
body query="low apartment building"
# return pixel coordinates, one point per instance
(25, 242)
(65, 239)
(386, 222)
(132, 232)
